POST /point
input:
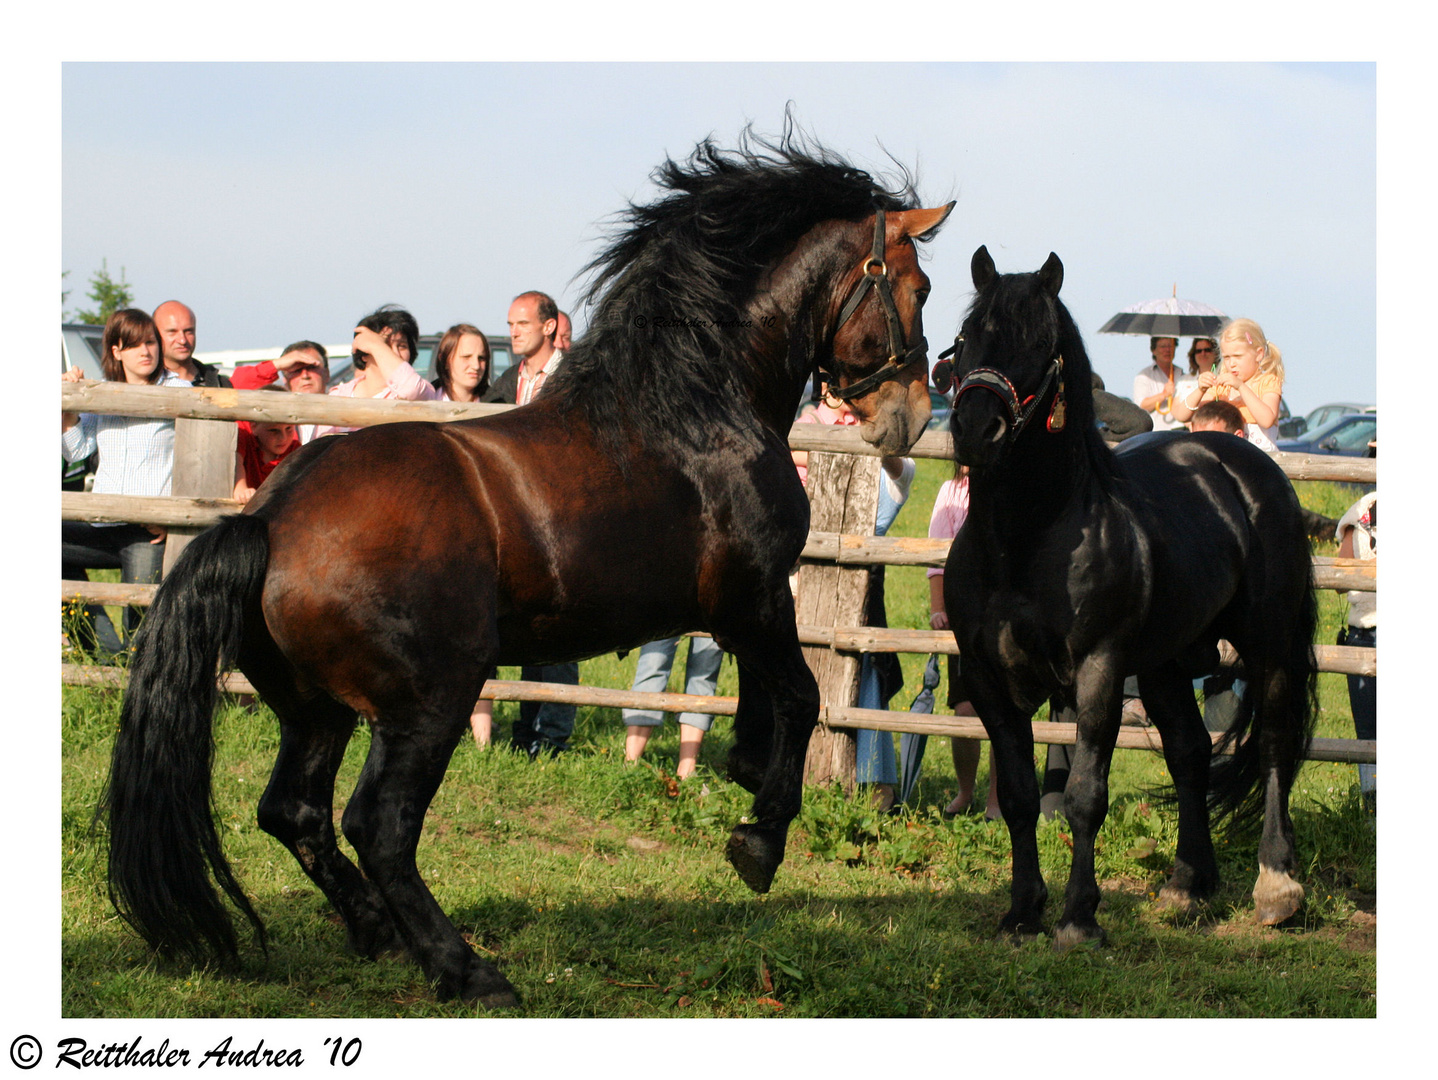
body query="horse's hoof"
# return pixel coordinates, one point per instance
(483, 985)
(1020, 927)
(1276, 897)
(1073, 935)
(756, 854)
(499, 999)
(1179, 902)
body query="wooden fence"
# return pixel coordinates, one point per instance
(833, 574)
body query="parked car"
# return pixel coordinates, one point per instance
(1294, 427)
(940, 407)
(1347, 435)
(80, 347)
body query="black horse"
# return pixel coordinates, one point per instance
(649, 491)
(1078, 566)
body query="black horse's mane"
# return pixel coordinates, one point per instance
(668, 358)
(1009, 303)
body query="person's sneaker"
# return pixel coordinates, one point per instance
(1134, 714)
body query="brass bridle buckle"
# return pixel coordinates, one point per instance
(875, 272)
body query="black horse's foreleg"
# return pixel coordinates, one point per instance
(756, 847)
(297, 809)
(1187, 750)
(753, 732)
(1011, 754)
(1098, 703)
(407, 760)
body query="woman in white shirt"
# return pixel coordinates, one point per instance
(137, 457)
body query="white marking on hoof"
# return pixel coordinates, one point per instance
(1177, 901)
(1072, 936)
(1276, 896)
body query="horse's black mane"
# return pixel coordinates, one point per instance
(667, 355)
(1010, 303)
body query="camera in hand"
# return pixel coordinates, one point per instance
(360, 360)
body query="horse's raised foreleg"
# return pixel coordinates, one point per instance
(756, 847)
(1098, 702)
(407, 759)
(753, 732)
(1187, 750)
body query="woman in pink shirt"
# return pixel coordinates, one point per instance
(951, 507)
(382, 354)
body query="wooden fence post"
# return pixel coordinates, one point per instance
(843, 497)
(204, 468)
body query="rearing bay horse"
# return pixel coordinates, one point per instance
(648, 492)
(1078, 566)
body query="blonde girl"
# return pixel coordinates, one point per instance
(1250, 376)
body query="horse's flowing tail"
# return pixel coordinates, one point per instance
(163, 843)
(1280, 703)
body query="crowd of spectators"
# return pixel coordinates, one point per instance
(1233, 384)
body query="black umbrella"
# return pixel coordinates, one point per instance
(1169, 317)
(911, 746)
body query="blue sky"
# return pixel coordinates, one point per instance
(285, 200)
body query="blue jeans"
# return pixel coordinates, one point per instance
(874, 750)
(651, 675)
(545, 725)
(127, 548)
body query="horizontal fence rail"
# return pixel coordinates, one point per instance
(1359, 751)
(216, 403)
(228, 404)
(175, 511)
(1338, 659)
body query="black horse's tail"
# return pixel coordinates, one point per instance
(1280, 702)
(163, 843)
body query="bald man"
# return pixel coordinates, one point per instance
(176, 324)
(561, 335)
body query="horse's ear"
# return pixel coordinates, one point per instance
(919, 222)
(1051, 274)
(982, 268)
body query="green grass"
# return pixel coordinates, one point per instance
(600, 889)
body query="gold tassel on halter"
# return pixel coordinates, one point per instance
(1058, 415)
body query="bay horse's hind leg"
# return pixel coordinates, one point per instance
(297, 807)
(756, 848)
(1187, 750)
(408, 755)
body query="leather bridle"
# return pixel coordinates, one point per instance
(874, 273)
(997, 383)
